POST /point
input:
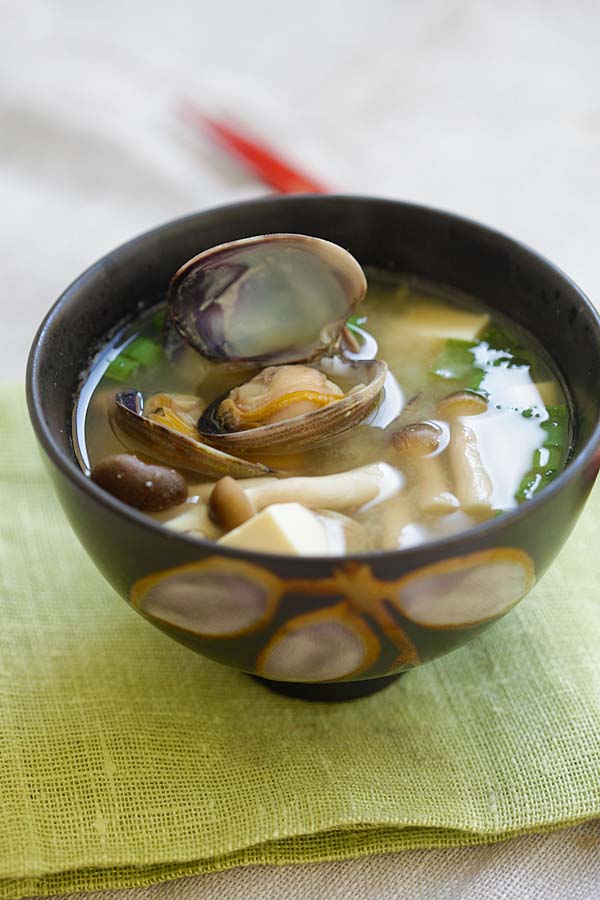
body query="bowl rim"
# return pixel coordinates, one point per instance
(441, 547)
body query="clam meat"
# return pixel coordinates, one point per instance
(291, 407)
(275, 394)
(166, 432)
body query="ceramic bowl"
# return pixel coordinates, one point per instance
(322, 627)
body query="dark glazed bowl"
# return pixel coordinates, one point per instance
(323, 628)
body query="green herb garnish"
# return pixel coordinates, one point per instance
(358, 321)
(142, 351)
(456, 360)
(145, 351)
(122, 368)
(548, 459)
(159, 319)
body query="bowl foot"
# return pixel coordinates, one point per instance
(329, 692)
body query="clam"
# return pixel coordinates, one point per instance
(165, 431)
(276, 394)
(282, 300)
(287, 408)
(276, 298)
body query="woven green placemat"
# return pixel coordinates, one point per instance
(126, 759)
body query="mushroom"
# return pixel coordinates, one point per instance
(393, 516)
(345, 491)
(462, 403)
(415, 444)
(350, 342)
(418, 439)
(201, 492)
(229, 504)
(191, 518)
(146, 487)
(472, 483)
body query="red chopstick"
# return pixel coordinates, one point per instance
(263, 160)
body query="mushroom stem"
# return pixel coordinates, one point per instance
(350, 340)
(346, 490)
(190, 517)
(472, 483)
(414, 445)
(203, 490)
(341, 492)
(394, 514)
(432, 487)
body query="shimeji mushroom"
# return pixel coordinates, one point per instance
(342, 492)
(229, 504)
(414, 445)
(191, 518)
(150, 488)
(393, 516)
(472, 483)
(332, 532)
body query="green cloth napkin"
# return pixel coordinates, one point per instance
(127, 759)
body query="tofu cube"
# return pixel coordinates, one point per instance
(514, 388)
(436, 320)
(282, 528)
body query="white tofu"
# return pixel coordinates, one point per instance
(514, 388)
(546, 392)
(436, 320)
(190, 517)
(283, 528)
(550, 393)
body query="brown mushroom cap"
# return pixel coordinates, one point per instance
(462, 403)
(229, 505)
(149, 488)
(417, 439)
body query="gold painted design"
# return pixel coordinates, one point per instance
(186, 583)
(369, 595)
(486, 580)
(364, 594)
(340, 630)
(227, 598)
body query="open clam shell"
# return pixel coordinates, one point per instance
(302, 431)
(178, 448)
(275, 298)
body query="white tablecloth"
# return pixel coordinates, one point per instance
(490, 110)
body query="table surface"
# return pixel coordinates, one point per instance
(488, 110)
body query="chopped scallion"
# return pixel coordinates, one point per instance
(145, 351)
(122, 368)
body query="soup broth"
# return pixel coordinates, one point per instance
(472, 420)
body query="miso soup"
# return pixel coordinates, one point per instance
(468, 420)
